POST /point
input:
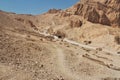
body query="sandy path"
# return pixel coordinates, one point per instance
(87, 46)
(63, 67)
(76, 43)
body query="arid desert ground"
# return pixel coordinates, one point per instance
(79, 43)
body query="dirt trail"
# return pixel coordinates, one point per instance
(76, 43)
(63, 66)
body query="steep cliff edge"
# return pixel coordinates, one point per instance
(106, 12)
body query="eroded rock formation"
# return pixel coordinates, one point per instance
(106, 12)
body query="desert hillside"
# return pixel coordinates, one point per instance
(79, 43)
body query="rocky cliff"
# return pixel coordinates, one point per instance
(106, 12)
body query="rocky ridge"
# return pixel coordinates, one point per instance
(106, 12)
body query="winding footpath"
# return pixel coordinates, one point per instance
(62, 63)
(75, 43)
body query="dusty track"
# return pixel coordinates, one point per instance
(76, 43)
(60, 52)
(63, 61)
(63, 67)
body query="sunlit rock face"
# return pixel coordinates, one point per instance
(106, 12)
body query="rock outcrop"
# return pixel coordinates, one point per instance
(106, 12)
(52, 11)
(75, 23)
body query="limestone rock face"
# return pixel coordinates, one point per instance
(106, 12)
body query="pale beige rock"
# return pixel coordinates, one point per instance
(26, 54)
